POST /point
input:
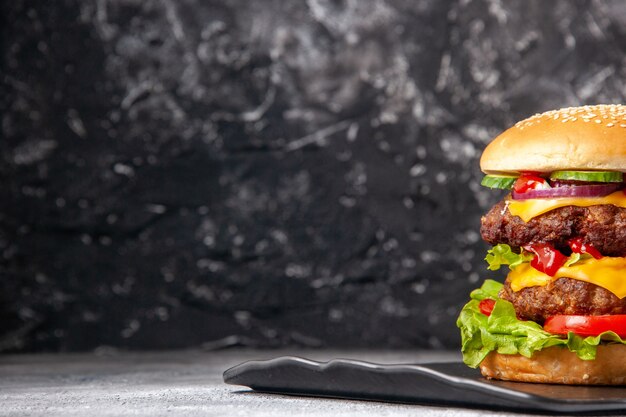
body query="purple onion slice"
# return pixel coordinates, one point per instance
(569, 191)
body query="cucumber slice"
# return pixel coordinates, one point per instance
(499, 181)
(589, 176)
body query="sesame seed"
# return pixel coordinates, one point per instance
(613, 113)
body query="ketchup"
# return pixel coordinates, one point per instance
(528, 181)
(578, 245)
(547, 259)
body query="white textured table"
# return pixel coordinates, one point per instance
(181, 383)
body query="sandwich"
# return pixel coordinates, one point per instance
(560, 232)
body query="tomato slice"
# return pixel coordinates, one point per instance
(578, 245)
(529, 182)
(586, 325)
(486, 306)
(547, 259)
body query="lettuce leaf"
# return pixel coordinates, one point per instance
(502, 254)
(574, 258)
(504, 333)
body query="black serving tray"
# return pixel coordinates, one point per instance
(449, 384)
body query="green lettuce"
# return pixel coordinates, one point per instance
(502, 254)
(575, 258)
(503, 332)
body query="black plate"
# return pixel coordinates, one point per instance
(433, 383)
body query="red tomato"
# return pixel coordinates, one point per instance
(528, 182)
(486, 306)
(579, 246)
(586, 325)
(547, 259)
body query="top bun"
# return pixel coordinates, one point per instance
(574, 138)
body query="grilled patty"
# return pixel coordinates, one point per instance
(603, 226)
(562, 296)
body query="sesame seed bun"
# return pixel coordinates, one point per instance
(574, 138)
(557, 365)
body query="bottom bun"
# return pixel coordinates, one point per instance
(557, 365)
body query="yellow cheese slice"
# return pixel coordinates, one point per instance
(606, 272)
(527, 209)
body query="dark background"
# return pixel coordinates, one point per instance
(266, 173)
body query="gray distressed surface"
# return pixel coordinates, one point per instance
(266, 173)
(184, 383)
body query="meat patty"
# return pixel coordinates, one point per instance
(603, 226)
(562, 296)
